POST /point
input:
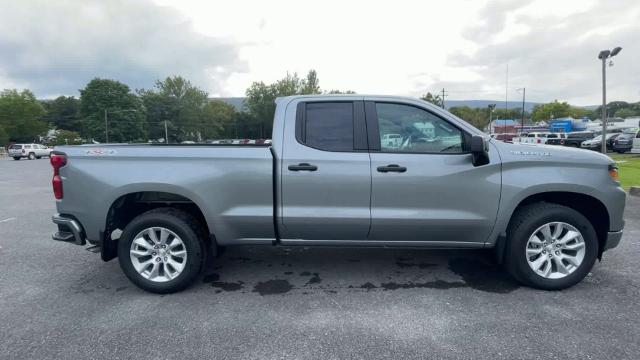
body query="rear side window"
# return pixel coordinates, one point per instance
(329, 126)
(552, 136)
(531, 135)
(27, 146)
(16, 147)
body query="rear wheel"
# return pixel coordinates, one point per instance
(16, 158)
(31, 156)
(161, 251)
(550, 246)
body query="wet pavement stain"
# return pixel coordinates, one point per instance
(288, 272)
(210, 278)
(305, 273)
(314, 280)
(272, 287)
(120, 288)
(228, 286)
(482, 276)
(368, 286)
(437, 284)
(407, 263)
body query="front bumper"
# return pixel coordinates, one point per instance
(69, 230)
(613, 239)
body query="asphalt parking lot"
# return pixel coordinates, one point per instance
(60, 301)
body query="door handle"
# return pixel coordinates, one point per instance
(303, 167)
(392, 168)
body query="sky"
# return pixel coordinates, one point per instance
(399, 47)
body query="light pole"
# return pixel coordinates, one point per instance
(491, 108)
(604, 55)
(106, 121)
(524, 91)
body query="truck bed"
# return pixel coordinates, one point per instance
(231, 184)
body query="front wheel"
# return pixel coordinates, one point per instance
(161, 250)
(550, 246)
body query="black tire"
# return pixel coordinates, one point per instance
(529, 218)
(16, 158)
(38, 157)
(184, 225)
(31, 156)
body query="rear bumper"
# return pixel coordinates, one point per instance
(69, 230)
(613, 239)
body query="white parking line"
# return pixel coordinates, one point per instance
(5, 220)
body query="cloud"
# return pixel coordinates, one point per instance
(56, 47)
(553, 56)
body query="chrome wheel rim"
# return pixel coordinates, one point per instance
(158, 254)
(555, 250)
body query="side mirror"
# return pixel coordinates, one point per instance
(479, 150)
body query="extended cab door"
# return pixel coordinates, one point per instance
(325, 171)
(425, 187)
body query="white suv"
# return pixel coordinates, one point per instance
(29, 151)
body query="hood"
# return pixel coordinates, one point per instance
(549, 153)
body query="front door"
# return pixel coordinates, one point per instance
(325, 172)
(424, 185)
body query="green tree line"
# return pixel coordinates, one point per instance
(177, 108)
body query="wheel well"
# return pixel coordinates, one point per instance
(127, 207)
(590, 207)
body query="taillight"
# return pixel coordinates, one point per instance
(538, 141)
(57, 161)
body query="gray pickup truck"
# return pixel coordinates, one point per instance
(342, 171)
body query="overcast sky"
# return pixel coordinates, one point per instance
(382, 47)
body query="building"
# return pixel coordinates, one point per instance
(503, 126)
(567, 124)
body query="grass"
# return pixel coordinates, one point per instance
(629, 168)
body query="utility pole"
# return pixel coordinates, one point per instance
(443, 95)
(166, 133)
(604, 55)
(106, 127)
(524, 91)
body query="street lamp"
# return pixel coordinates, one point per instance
(604, 55)
(106, 122)
(491, 108)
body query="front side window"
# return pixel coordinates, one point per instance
(329, 126)
(405, 128)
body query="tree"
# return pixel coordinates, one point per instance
(4, 137)
(20, 115)
(478, 117)
(434, 99)
(626, 112)
(179, 103)
(260, 101)
(311, 84)
(125, 115)
(556, 109)
(65, 137)
(218, 116)
(64, 113)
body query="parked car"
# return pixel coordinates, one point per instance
(624, 142)
(636, 143)
(29, 151)
(575, 139)
(329, 180)
(596, 142)
(532, 138)
(556, 138)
